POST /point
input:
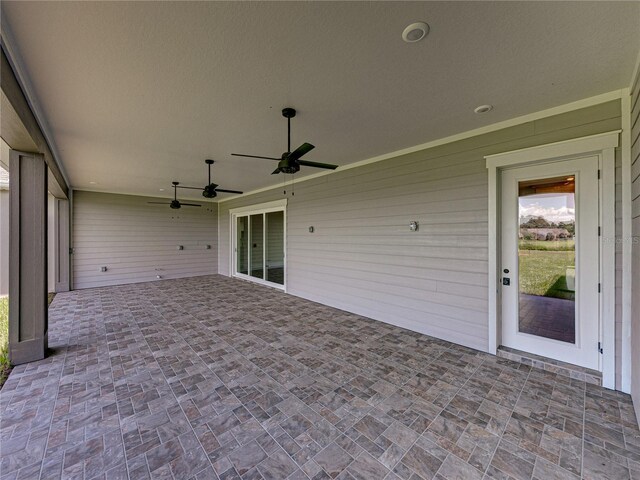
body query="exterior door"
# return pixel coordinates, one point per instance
(550, 260)
(259, 246)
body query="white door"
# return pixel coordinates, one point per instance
(550, 260)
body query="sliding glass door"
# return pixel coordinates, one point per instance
(256, 240)
(242, 240)
(259, 246)
(274, 250)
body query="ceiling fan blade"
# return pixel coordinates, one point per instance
(227, 191)
(159, 203)
(190, 188)
(277, 170)
(317, 165)
(300, 151)
(189, 205)
(255, 156)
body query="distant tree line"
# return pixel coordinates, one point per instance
(564, 230)
(541, 222)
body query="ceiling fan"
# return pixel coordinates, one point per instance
(210, 191)
(290, 161)
(175, 204)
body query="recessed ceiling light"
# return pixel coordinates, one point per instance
(93, 183)
(570, 178)
(483, 108)
(415, 32)
(162, 189)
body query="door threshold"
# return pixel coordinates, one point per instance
(549, 364)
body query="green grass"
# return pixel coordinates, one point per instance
(551, 245)
(5, 366)
(543, 272)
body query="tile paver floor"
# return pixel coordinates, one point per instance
(547, 317)
(212, 377)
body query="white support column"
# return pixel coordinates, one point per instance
(52, 234)
(62, 230)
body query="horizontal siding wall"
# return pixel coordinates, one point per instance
(137, 241)
(635, 283)
(362, 257)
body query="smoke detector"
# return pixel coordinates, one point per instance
(483, 108)
(415, 32)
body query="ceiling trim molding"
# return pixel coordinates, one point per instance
(568, 107)
(162, 195)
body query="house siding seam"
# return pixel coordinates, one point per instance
(137, 241)
(362, 257)
(635, 222)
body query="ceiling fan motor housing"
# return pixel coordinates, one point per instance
(174, 204)
(210, 191)
(287, 166)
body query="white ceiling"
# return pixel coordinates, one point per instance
(137, 94)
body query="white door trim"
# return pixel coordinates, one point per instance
(275, 205)
(603, 145)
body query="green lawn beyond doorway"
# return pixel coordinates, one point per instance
(545, 267)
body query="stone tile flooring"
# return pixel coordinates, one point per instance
(217, 378)
(548, 317)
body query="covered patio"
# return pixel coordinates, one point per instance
(213, 377)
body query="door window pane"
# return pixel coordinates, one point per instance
(242, 243)
(546, 257)
(275, 247)
(257, 246)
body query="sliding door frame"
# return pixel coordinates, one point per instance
(259, 209)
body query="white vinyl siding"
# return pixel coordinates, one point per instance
(362, 257)
(635, 213)
(137, 241)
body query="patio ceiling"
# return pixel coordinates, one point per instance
(138, 94)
